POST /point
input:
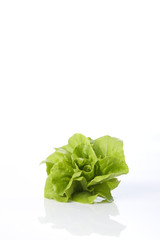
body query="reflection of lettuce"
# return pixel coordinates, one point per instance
(84, 169)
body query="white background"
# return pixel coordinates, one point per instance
(79, 66)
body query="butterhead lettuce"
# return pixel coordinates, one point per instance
(84, 169)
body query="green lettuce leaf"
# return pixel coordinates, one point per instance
(78, 139)
(59, 155)
(103, 190)
(76, 184)
(84, 169)
(108, 146)
(84, 197)
(50, 193)
(59, 178)
(113, 183)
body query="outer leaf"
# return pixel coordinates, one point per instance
(56, 157)
(59, 178)
(67, 147)
(113, 183)
(84, 197)
(50, 193)
(103, 190)
(99, 179)
(106, 173)
(108, 146)
(112, 165)
(107, 177)
(111, 162)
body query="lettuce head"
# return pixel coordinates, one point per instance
(84, 169)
